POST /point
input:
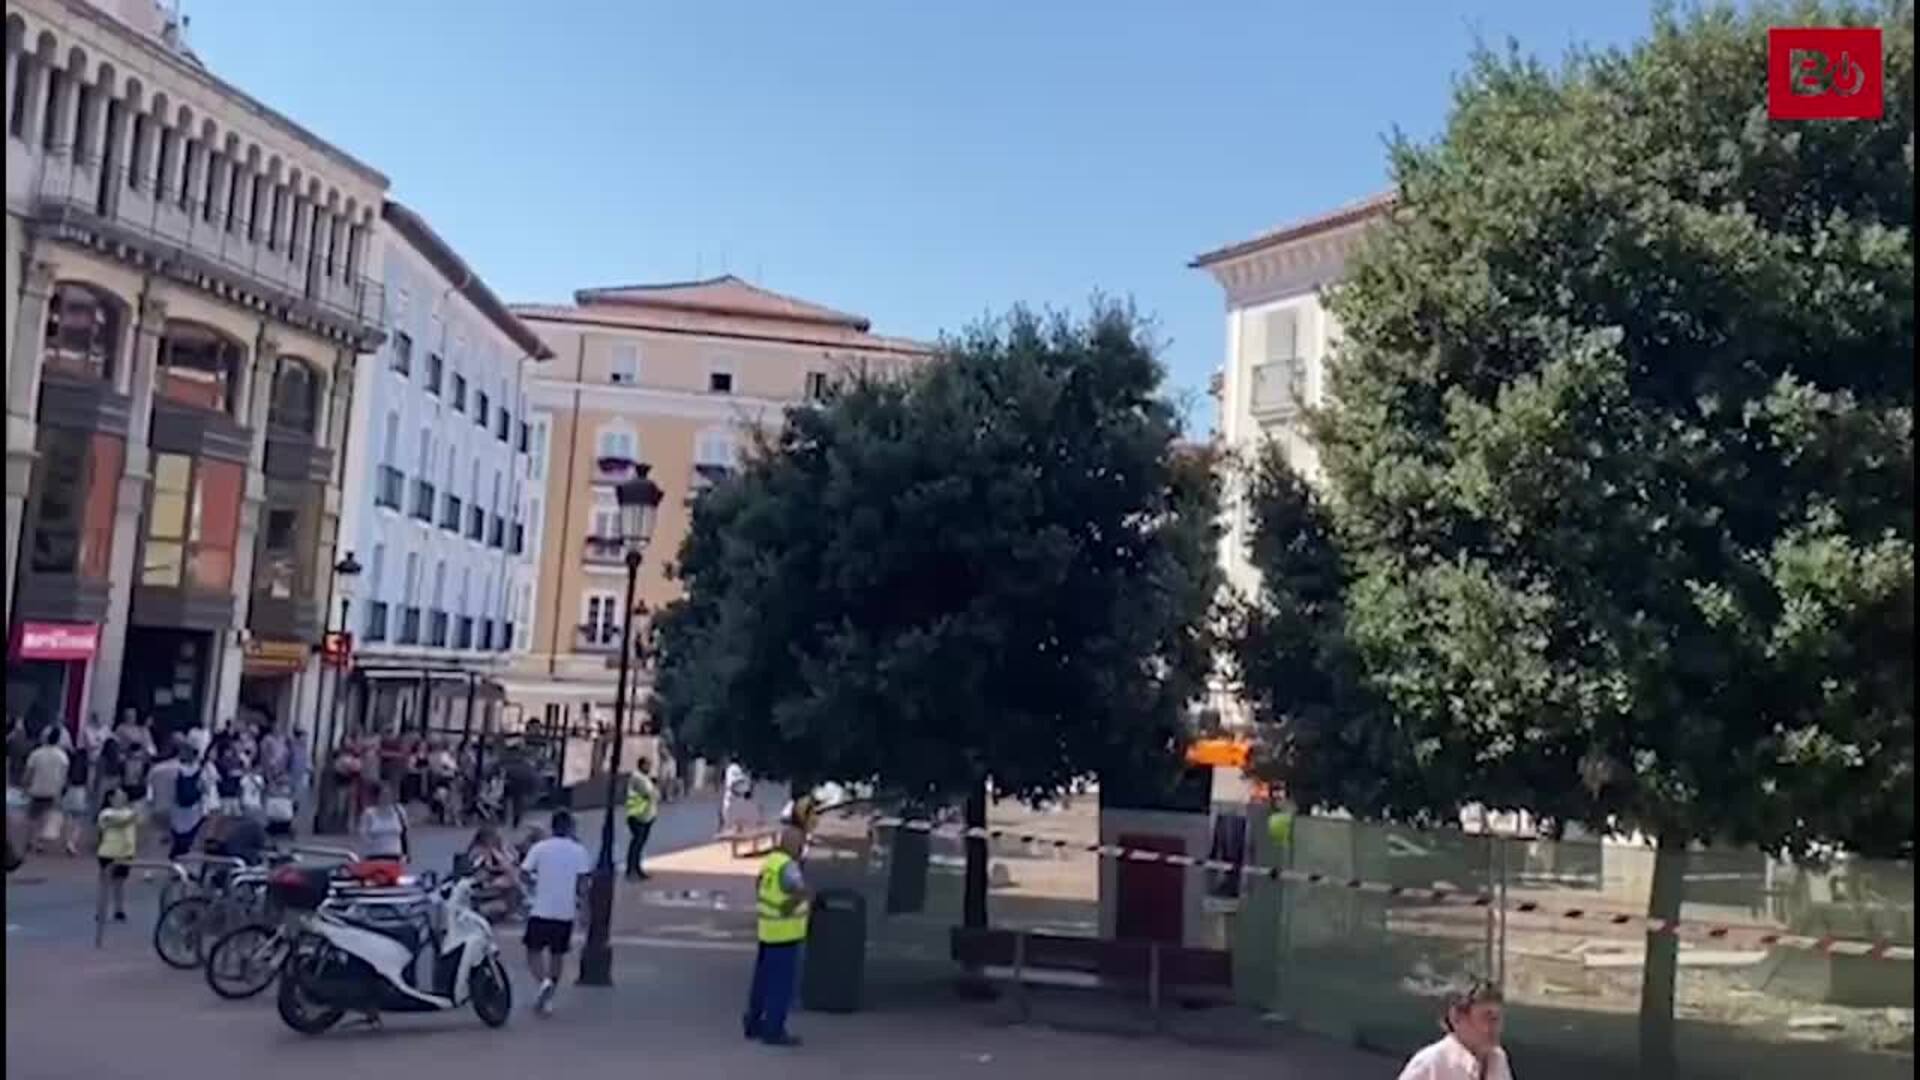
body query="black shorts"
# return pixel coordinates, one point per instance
(549, 935)
(116, 867)
(39, 807)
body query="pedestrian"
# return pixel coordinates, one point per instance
(1471, 1049)
(299, 766)
(119, 841)
(643, 802)
(76, 803)
(199, 740)
(46, 782)
(558, 867)
(162, 783)
(383, 827)
(735, 796)
(230, 788)
(519, 776)
(194, 784)
(782, 904)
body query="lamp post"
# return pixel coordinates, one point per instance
(639, 500)
(347, 567)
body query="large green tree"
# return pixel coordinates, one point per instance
(998, 569)
(1620, 463)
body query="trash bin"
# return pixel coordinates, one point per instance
(833, 967)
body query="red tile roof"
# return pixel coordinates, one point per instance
(1371, 206)
(724, 295)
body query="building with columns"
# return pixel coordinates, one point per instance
(438, 510)
(1279, 335)
(677, 376)
(190, 278)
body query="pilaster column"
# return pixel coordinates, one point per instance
(257, 396)
(140, 162)
(23, 398)
(91, 119)
(34, 103)
(129, 505)
(66, 108)
(222, 190)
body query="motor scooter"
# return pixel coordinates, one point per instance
(443, 956)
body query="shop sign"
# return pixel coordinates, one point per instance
(275, 657)
(56, 641)
(336, 649)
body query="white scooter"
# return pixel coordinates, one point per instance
(447, 960)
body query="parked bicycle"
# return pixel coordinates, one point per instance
(247, 959)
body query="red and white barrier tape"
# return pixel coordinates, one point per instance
(1709, 931)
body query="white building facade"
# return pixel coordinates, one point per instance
(438, 510)
(1279, 336)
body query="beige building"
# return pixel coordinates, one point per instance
(677, 376)
(190, 277)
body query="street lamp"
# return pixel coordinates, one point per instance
(347, 567)
(639, 500)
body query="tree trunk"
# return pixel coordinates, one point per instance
(973, 909)
(1658, 1060)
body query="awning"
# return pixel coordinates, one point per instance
(563, 690)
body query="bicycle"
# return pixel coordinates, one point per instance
(246, 959)
(217, 903)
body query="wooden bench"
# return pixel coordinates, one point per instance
(1189, 976)
(747, 843)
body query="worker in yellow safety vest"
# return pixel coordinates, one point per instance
(782, 906)
(643, 802)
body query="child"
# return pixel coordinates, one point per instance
(119, 826)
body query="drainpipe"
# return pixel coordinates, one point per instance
(566, 522)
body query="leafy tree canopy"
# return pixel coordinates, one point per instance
(998, 567)
(1620, 461)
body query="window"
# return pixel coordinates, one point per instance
(199, 367)
(537, 453)
(617, 442)
(526, 438)
(83, 332)
(193, 522)
(601, 625)
(435, 367)
(458, 398)
(715, 448)
(719, 382)
(816, 386)
(288, 542)
(625, 368)
(1283, 334)
(75, 478)
(606, 518)
(482, 409)
(296, 395)
(503, 428)
(402, 352)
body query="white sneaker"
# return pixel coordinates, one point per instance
(543, 1003)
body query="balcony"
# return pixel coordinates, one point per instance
(463, 632)
(1279, 388)
(437, 629)
(704, 477)
(451, 508)
(497, 532)
(377, 621)
(601, 638)
(409, 626)
(76, 198)
(476, 524)
(388, 487)
(423, 500)
(605, 551)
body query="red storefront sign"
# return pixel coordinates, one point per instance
(56, 641)
(336, 649)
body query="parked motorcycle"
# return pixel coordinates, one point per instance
(447, 960)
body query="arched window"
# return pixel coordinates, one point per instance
(199, 367)
(83, 331)
(296, 395)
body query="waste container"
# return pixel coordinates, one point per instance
(833, 967)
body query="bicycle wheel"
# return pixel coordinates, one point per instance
(177, 935)
(244, 961)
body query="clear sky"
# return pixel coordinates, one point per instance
(922, 163)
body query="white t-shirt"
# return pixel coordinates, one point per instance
(738, 784)
(47, 772)
(384, 829)
(557, 865)
(1449, 1060)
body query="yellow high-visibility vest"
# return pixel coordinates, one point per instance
(639, 799)
(777, 926)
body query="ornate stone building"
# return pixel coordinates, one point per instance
(190, 278)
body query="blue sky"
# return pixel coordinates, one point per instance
(921, 163)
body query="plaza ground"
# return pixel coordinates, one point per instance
(681, 970)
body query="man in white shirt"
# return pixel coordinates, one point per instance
(46, 776)
(736, 798)
(1471, 1049)
(558, 867)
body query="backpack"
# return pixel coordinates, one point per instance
(186, 789)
